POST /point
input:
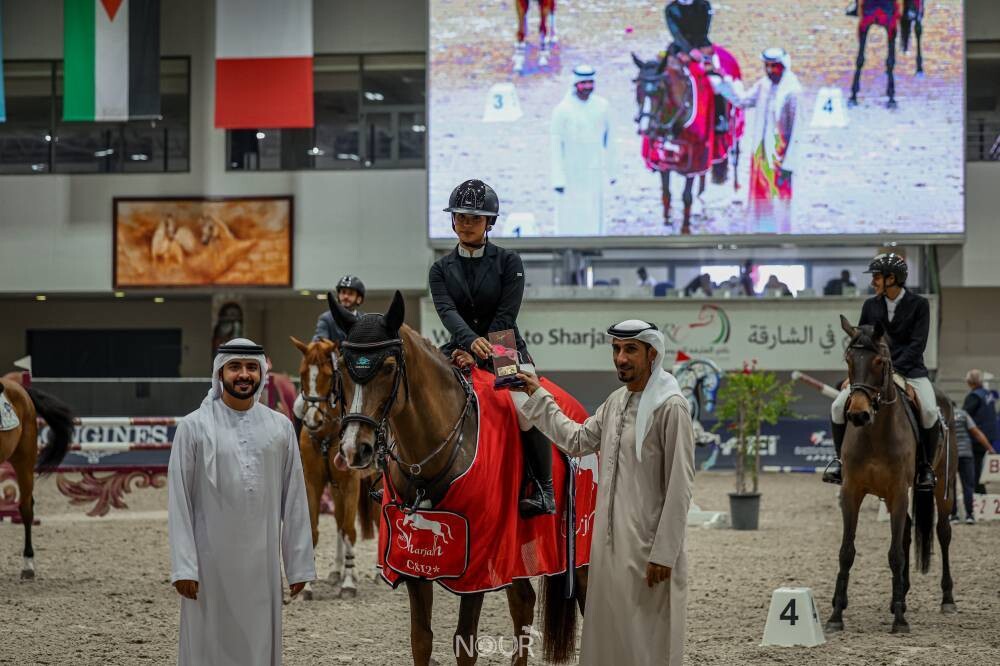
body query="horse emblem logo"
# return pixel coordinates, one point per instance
(415, 522)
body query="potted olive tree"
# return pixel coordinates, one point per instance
(747, 400)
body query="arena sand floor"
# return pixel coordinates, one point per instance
(102, 594)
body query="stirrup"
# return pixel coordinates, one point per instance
(540, 502)
(831, 476)
(923, 487)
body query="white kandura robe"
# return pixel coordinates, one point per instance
(228, 536)
(641, 517)
(583, 162)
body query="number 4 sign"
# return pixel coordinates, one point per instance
(502, 105)
(829, 111)
(793, 619)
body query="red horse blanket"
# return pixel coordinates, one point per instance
(729, 67)
(690, 152)
(475, 540)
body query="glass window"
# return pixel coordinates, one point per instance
(35, 140)
(983, 103)
(369, 112)
(26, 139)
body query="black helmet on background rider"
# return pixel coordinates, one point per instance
(474, 197)
(351, 282)
(890, 263)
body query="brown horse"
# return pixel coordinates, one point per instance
(19, 446)
(546, 31)
(879, 458)
(318, 445)
(412, 390)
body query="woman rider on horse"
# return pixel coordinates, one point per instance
(477, 289)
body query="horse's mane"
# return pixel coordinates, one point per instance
(865, 338)
(429, 348)
(318, 352)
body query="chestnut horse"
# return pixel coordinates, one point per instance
(546, 31)
(319, 443)
(412, 390)
(879, 458)
(19, 446)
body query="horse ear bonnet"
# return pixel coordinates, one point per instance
(363, 353)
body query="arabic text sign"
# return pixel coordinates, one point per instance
(780, 334)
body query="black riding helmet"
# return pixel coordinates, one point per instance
(890, 263)
(351, 282)
(474, 197)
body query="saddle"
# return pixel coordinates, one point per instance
(8, 415)
(911, 402)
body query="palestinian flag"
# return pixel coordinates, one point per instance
(264, 63)
(111, 59)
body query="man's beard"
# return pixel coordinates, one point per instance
(238, 393)
(626, 375)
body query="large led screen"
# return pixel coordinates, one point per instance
(621, 118)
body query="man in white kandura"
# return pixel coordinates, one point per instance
(583, 157)
(637, 593)
(237, 502)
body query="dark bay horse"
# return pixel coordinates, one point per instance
(678, 120)
(885, 13)
(319, 445)
(879, 458)
(412, 390)
(19, 447)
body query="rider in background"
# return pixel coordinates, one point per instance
(351, 294)
(906, 319)
(688, 22)
(477, 290)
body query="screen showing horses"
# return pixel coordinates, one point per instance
(620, 118)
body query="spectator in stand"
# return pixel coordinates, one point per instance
(700, 286)
(746, 278)
(981, 406)
(836, 286)
(775, 285)
(965, 432)
(644, 279)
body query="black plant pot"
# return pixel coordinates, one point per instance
(744, 510)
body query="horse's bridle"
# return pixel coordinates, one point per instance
(386, 451)
(657, 127)
(331, 399)
(877, 395)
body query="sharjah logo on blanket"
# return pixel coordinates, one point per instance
(427, 544)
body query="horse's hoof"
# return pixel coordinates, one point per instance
(348, 592)
(949, 609)
(852, 102)
(891, 104)
(920, 74)
(27, 574)
(900, 628)
(833, 626)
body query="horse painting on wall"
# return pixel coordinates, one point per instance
(202, 242)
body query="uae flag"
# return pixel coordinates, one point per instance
(111, 59)
(264, 64)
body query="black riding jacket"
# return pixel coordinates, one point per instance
(689, 24)
(906, 333)
(476, 296)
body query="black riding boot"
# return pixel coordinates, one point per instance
(537, 495)
(925, 458)
(834, 470)
(852, 10)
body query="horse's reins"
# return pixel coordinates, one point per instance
(384, 451)
(332, 400)
(875, 394)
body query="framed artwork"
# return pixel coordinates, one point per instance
(203, 242)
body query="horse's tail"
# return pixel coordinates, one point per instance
(923, 524)
(558, 620)
(59, 416)
(367, 513)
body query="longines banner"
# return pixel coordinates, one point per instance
(779, 334)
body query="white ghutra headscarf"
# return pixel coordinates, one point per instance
(661, 384)
(234, 350)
